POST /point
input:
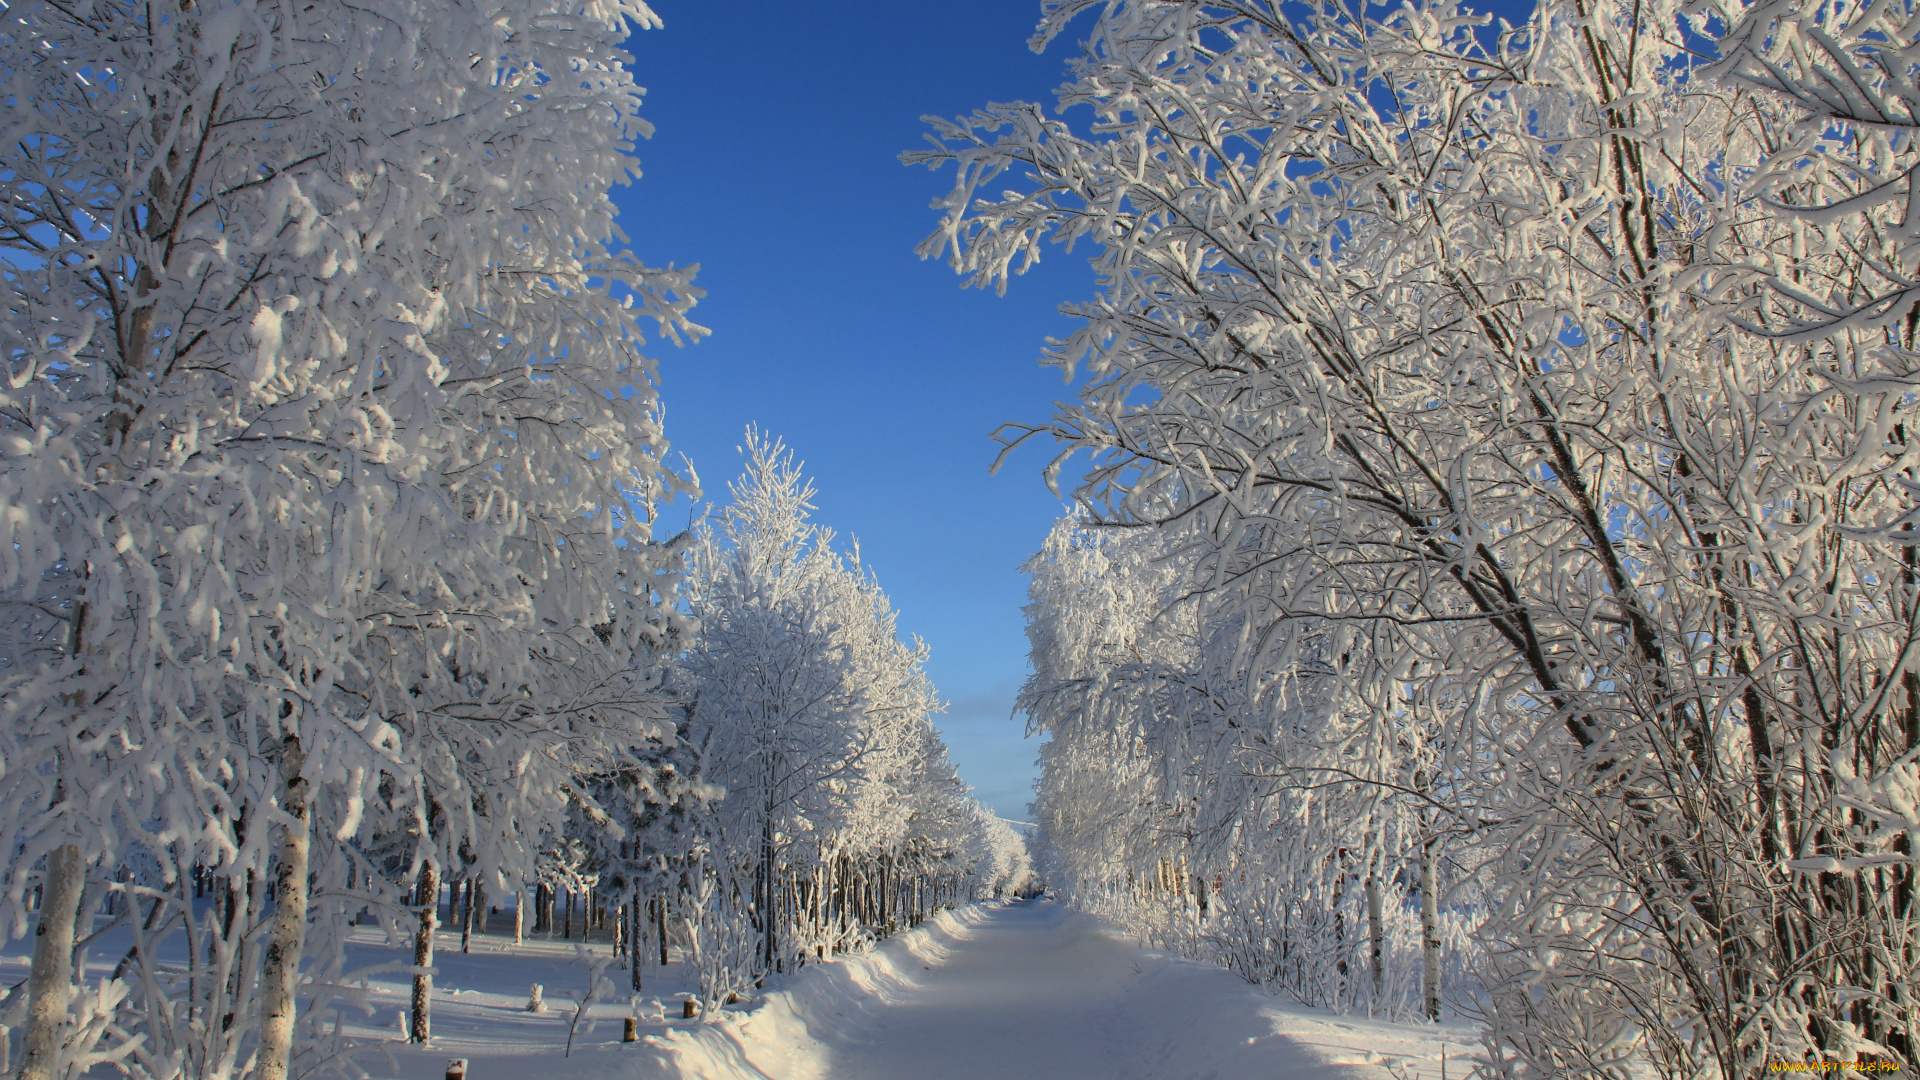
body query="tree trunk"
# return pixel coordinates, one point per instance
(764, 887)
(1429, 932)
(569, 933)
(287, 933)
(519, 916)
(636, 922)
(235, 943)
(661, 926)
(1340, 932)
(50, 981)
(466, 917)
(422, 1017)
(1376, 933)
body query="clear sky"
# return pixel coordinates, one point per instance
(775, 167)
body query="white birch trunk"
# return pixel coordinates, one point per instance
(50, 982)
(286, 936)
(1429, 933)
(422, 1016)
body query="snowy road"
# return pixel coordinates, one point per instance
(1033, 990)
(1019, 991)
(1032, 984)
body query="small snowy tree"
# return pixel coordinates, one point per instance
(639, 821)
(999, 863)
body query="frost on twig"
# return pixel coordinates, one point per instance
(598, 988)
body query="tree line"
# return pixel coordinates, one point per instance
(329, 466)
(1492, 579)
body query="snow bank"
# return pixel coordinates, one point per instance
(789, 1033)
(1206, 1022)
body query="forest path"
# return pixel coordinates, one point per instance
(1024, 991)
(1034, 990)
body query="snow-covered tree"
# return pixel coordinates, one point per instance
(1003, 866)
(321, 499)
(1246, 815)
(842, 818)
(634, 828)
(1547, 393)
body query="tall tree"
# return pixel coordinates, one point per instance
(1563, 384)
(312, 435)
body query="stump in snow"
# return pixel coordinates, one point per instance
(692, 1008)
(457, 1069)
(632, 1033)
(535, 1003)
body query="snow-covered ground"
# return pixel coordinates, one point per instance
(990, 991)
(480, 1009)
(1033, 990)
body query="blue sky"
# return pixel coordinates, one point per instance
(774, 165)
